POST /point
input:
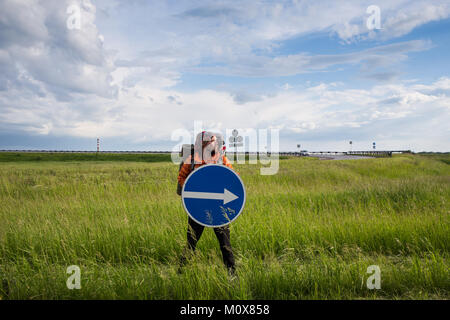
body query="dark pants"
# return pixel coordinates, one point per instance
(194, 233)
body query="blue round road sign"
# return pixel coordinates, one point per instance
(213, 195)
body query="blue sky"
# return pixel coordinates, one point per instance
(135, 72)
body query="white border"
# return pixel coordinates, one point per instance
(218, 165)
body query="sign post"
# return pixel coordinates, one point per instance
(213, 195)
(235, 141)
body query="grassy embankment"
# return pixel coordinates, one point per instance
(308, 232)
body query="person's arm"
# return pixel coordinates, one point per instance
(227, 163)
(184, 172)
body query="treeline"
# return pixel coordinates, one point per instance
(57, 156)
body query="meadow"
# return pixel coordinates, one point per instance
(308, 232)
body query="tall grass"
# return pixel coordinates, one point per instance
(308, 232)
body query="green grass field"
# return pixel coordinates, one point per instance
(308, 232)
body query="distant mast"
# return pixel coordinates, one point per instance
(98, 144)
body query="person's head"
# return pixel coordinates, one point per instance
(210, 145)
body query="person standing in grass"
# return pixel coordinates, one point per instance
(207, 144)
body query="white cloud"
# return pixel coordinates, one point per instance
(401, 112)
(80, 83)
(413, 14)
(37, 49)
(159, 41)
(370, 59)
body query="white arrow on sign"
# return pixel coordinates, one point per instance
(226, 196)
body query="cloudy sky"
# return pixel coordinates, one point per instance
(134, 72)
